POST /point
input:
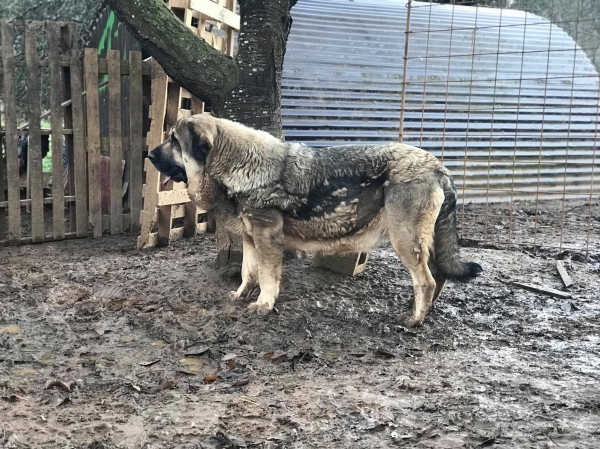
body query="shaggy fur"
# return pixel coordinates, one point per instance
(339, 199)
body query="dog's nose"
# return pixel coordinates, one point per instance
(152, 156)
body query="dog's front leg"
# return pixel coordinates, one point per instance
(249, 270)
(266, 229)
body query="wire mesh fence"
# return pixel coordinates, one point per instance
(509, 100)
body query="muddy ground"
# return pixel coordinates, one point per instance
(104, 346)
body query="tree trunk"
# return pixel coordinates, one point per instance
(256, 101)
(247, 90)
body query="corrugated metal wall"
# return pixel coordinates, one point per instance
(506, 99)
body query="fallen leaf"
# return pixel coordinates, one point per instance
(178, 345)
(135, 387)
(268, 355)
(210, 378)
(384, 352)
(230, 360)
(487, 443)
(58, 384)
(568, 307)
(101, 328)
(430, 432)
(377, 428)
(279, 359)
(149, 363)
(197, 351)
(64, 401)
(240, 383)
(168, 384)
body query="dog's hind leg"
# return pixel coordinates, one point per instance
(411, 211)
(440, 280)
(266, 228)
(249, 270)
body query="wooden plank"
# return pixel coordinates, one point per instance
(43, 132)
(93, 139)
(171, 197)
(65, 61)
(183, 113)
(346, 264)
(136, 120)
(542, 289)
(125, 67)
(178, 3)
(66, 40)
(106, 222)
(173, 104)
(190, 220)
(56, 121)
(164, 225)
(174, 235)
(178, 211)
(154, 138)
(34, 149)
(564, 275)
(197, 106)
(79, 152)
(3, 227)
(217, 12)
(116, 142)
(68, 199)
(231, 5)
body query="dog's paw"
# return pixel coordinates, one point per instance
(233, 296)
(261, 308)
(413, 321)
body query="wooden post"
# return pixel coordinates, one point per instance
(79, 152)
(154, 137)
(66, 42)
(135, 138)
(34, 149)
(10, 117)
(116, 142)
(2, 195)
(93, 139)
(56, 121)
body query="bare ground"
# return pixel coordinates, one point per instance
(104, 346)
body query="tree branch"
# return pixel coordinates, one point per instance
(186, 58)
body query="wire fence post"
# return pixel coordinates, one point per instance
(404, 70)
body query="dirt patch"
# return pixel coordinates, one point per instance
(105, 346)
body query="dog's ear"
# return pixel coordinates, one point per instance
(201, 142)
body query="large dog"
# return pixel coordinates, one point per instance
(338, 199)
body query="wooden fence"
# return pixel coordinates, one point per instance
(41, 65)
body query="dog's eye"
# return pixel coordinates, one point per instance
(174, 140)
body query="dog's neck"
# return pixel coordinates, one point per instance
(243, 158)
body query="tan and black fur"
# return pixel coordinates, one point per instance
(347, 198)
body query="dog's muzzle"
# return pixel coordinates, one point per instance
(172, 172)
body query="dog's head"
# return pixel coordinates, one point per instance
(182, 157)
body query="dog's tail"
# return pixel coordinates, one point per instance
(446, 255)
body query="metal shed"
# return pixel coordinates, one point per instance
(507, 99)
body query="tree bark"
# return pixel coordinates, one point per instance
(186, 58)
(247, 90)
(256, 101)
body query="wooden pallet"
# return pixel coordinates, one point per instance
(216, 22)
